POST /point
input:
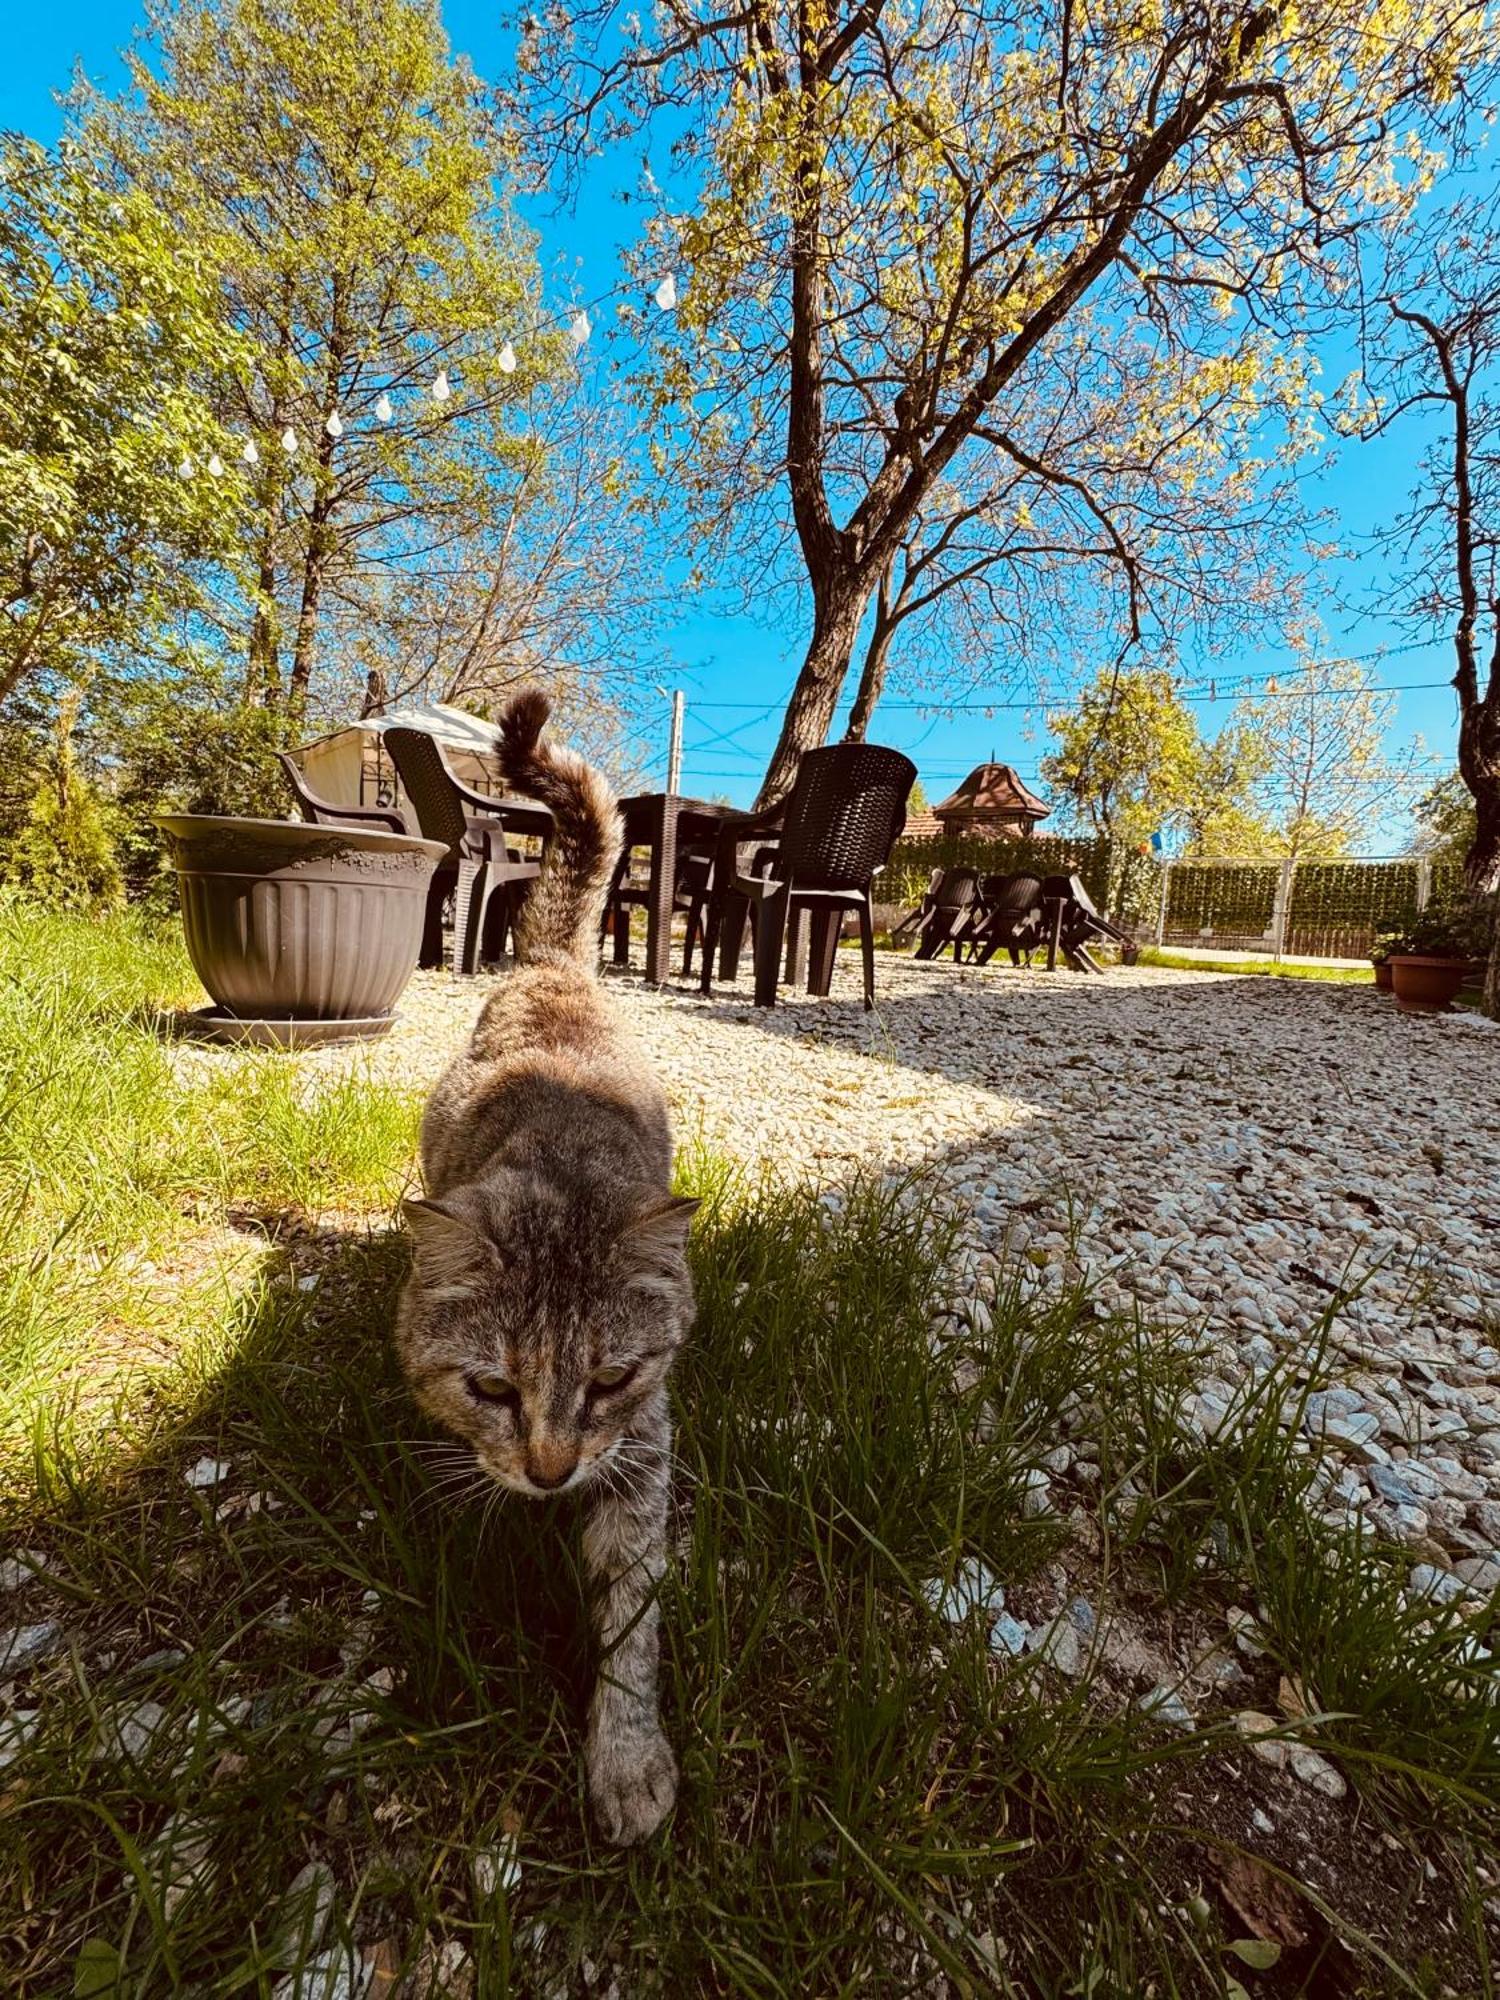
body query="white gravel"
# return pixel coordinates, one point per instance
(1224, 1149)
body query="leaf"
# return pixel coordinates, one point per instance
(1258, 1953)
(96, 1970)
(1268, 1907)
(1234, 1991)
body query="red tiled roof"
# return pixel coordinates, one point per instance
(923, 825)
(991, 791)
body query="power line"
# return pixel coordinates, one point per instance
(1214, 693)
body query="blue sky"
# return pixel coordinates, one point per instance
(736, 672)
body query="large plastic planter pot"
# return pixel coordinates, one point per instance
(291, 922)
(1427, 985)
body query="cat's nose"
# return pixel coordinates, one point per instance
(550, 1469)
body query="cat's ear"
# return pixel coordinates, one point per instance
(450, 1245)
(654, 1241)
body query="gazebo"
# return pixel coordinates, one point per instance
(991, 801)
(351, 767)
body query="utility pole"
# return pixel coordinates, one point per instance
(674, 748)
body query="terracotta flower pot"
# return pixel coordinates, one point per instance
(290, 922)
(1427, 985)
(1384, 977)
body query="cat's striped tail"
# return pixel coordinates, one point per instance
(560, 919)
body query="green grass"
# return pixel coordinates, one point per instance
(1184, 961)
(873, 1801)
(121, 1164)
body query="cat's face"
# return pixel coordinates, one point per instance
(536, 1334)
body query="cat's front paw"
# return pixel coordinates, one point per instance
(632, 1785)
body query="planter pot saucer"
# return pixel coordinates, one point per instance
(216, 1024)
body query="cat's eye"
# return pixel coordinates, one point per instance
(615, 1377)
(492, 1388)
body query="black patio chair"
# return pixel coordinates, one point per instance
(843, 815)
(947, 911)
(1010, 917)
(690, 892)
(1073, 923)
(480, 865)
(318, 811)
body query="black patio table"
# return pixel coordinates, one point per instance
(659, 821)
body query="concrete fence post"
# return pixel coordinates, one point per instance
(1424, 881)
(1281, 907)
(1161, 904)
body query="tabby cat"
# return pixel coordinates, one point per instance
(549, 1288)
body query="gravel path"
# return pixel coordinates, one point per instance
(1224, 1149)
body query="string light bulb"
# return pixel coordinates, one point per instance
(441, 389)
(507, 359)
(249, 454)
(666, 293)
(581, 329)
(334, 425)
(216, 466)
(289, 440)
(384, 408)
(185, 468)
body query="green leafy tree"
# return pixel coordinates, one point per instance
(339, 167)
(1128, 759)
(895, 221)
(1223, 819)
(1327, 776)
(111, 343)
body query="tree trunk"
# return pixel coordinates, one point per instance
(321, 541)
(1479, 760)
(819, 684)
(263, 670)
(304, 648)
(1479, 765)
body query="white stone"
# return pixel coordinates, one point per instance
(21, 1568)
(1167, 1705)
(17, 1730)
(302, 1916)
(338, 1974)
(26, 1645)
(1008, 1635)
(208, 1472)
(1441, 1585)
(1057, 1644)
(1317, 1772)
(495, 1870)
(975, 1587)
(135, 1732)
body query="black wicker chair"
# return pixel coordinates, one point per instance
(947, 912)
(840, 821)
(318, 811)
(1072, 923)
(690, 892)
(480, 865)
(1010, 915)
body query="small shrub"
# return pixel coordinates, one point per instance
(63, 852)
(193, 757)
